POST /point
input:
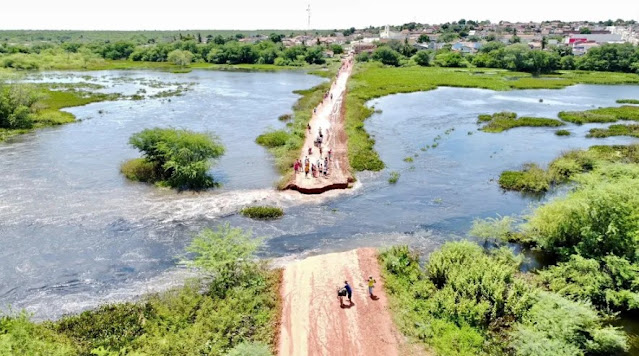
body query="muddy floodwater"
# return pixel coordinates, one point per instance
(74, 233)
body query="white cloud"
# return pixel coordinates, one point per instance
(289, 14)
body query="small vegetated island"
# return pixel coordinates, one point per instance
(174, 158)
(507, 120)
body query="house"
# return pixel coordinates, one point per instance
(466, 47)
(363, 47)
(597, 38)
(581, 48)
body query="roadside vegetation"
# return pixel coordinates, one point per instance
(232, 310)
(503, 121)
(601, 115)
(469, 301)
(174, 158)
(262, 212)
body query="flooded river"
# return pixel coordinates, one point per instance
(74, 233)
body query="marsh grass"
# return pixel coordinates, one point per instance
(408, 159)
(615, 130)
(531, 179)
(562, 133)
(601, 115)
(262, 212)
(139, 170)
(503, 121)
(394, 177)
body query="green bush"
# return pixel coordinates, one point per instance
(610, 284)
(262, 212)
(17, 103)
(594, 221)
(394, 177)
(562, 133)
(180, 158)
(139, 170)
(250, 349)
(20, 336)
(273, 139)
(467, 301)
(531, 179)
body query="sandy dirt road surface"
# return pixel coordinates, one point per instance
(329, 117)
(314, 323)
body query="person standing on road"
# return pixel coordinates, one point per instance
(371, 285)
(349, 291)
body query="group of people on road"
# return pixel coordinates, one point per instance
(321, 166)
(347, 291)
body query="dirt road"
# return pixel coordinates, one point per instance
(313, 323)
(329, 118)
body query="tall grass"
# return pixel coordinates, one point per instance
(615, 130)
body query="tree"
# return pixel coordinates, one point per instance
(180, 57)
(386, 55)
(16, 104)
(337, 49)
(450, 59)
(226, 253)
(422, 58)
(276, 37)
(585, 31)
(423, 38)
(179, 158)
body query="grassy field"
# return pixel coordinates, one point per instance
(372, 80)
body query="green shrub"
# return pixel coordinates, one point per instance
(262, 212)
(250, 349)
(394, 177)
(562, 133)
(139, 170)
(531, 179)
(285, 117)
(180, 158)
(596, 220)
(557, 326)
(20, 336)
(609, 284)
(273, 139)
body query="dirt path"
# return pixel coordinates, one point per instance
(313, 323)
(329, 117)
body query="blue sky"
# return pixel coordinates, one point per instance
(290, 14)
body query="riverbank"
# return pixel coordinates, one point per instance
(372, 80)
(49, 109)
